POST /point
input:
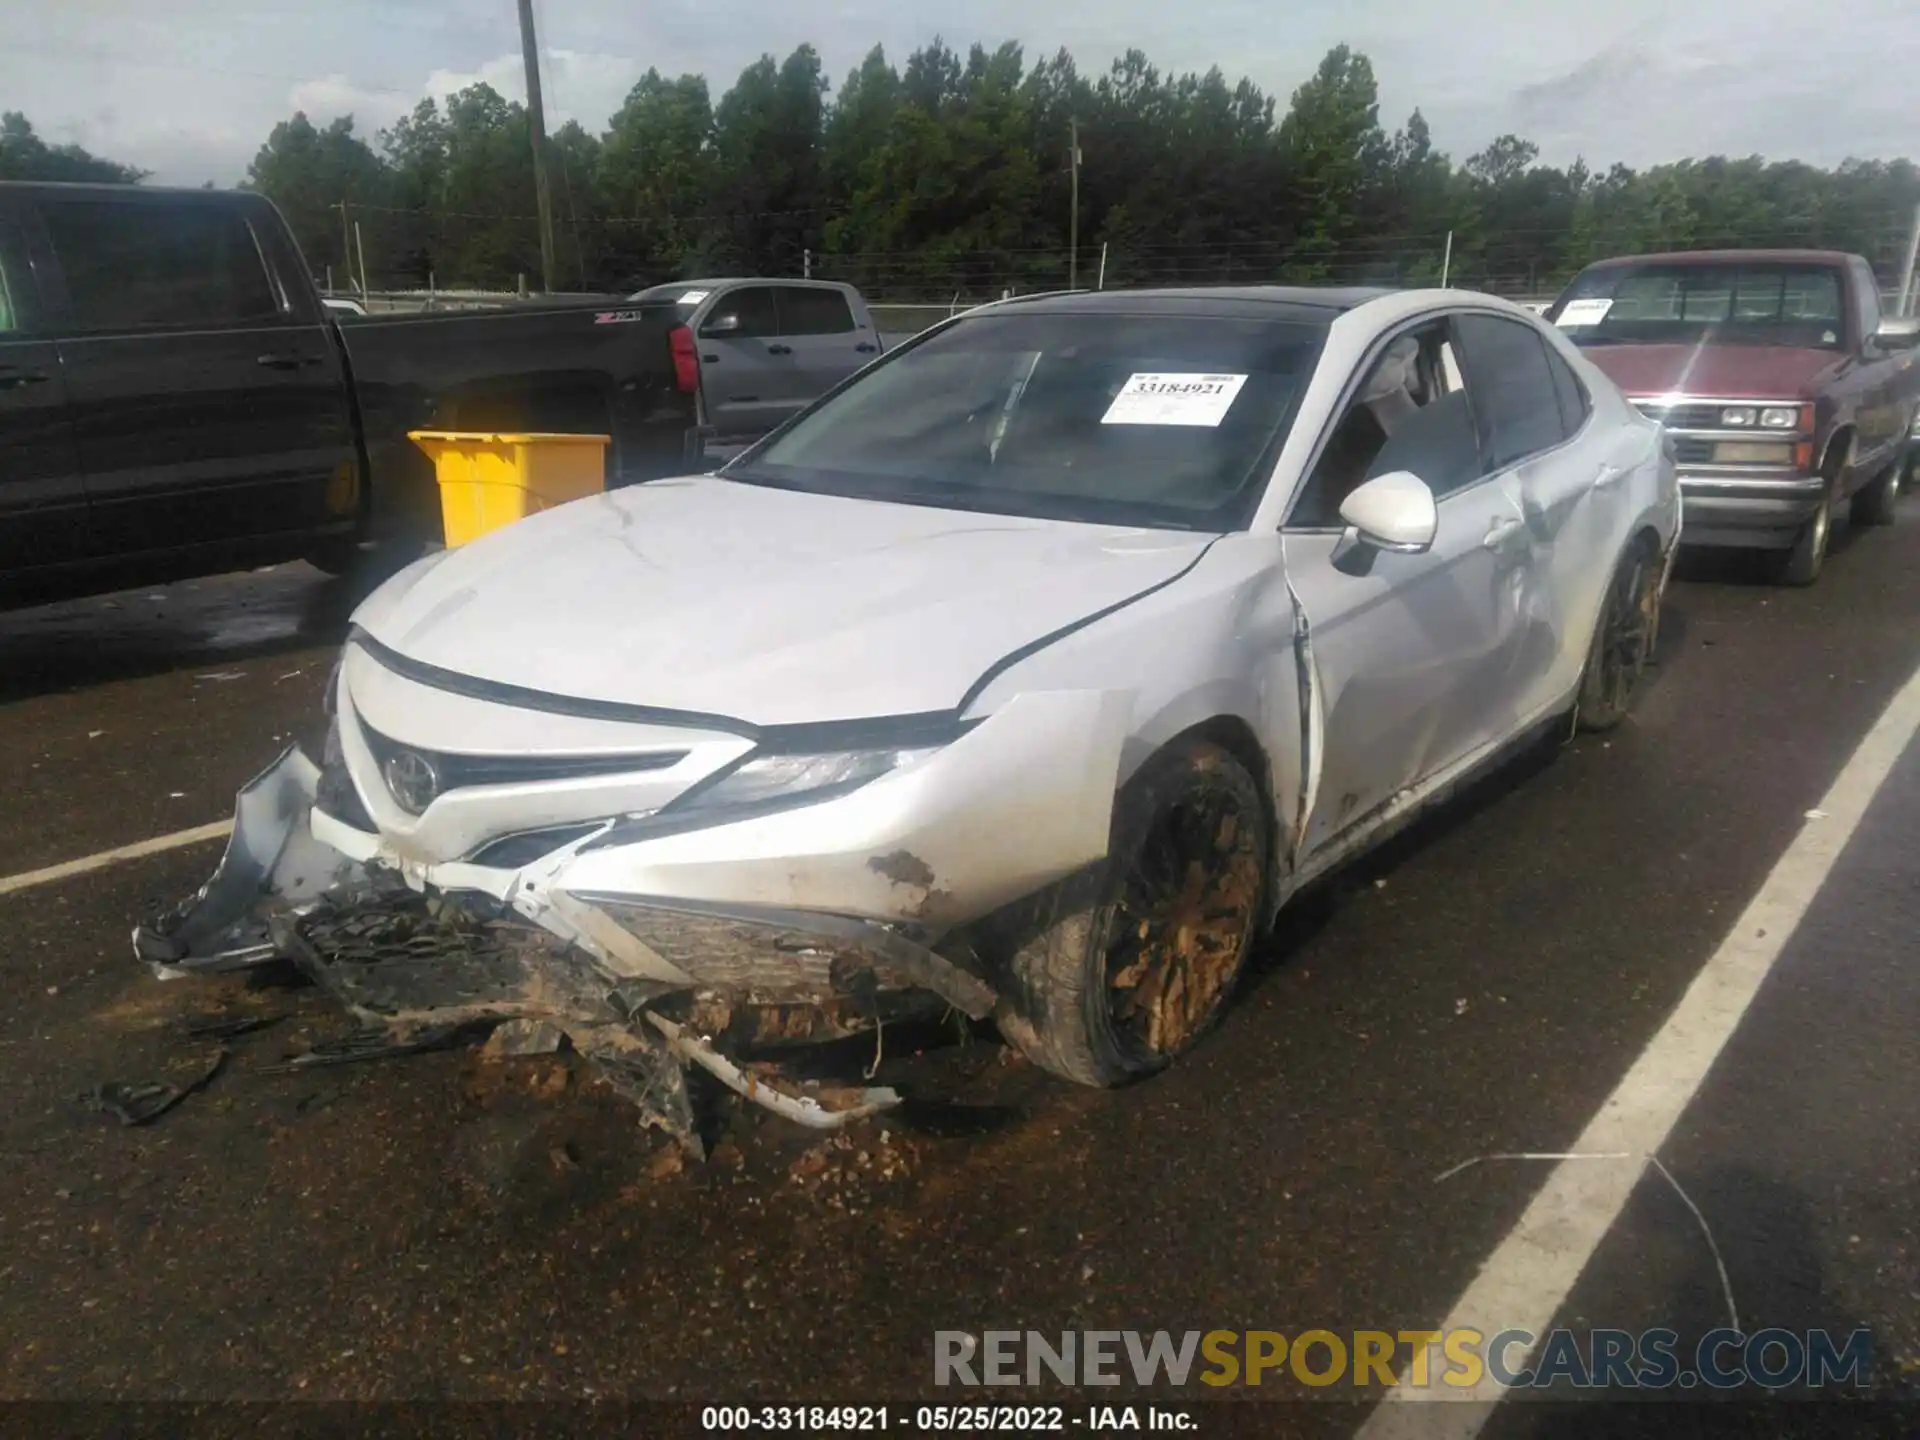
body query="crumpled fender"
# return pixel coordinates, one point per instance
(271, 855)
(1022, 800)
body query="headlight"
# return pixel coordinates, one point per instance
(774, 781)
(1779, 417)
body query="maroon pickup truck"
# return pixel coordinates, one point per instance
(1784, 390)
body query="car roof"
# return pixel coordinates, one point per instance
(1310, 303)
(1726, 257)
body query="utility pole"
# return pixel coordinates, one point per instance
(1073, 224)
(1905, 304)
(537, 123)
(346, 241)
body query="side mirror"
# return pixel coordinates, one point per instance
(725, 324)
(1394, 512)
(1898, 332)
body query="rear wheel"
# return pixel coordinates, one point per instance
(1876, 504)
(1118, 970)
(1622, 647)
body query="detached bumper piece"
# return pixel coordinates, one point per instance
(426, 969)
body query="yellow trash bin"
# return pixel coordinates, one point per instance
(490, 480)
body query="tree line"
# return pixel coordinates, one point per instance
(952, 177)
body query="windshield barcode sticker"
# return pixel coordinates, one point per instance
(1583, 312)
(1169, 399)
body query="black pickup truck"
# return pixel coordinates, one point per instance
(175, 399)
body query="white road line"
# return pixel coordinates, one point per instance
(69, 868)
(1525, 1281)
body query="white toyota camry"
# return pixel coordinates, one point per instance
(1028, 673)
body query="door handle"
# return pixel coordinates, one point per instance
(866, 347)
(285, 362)
(779, 349)
(709, 359)
(11, 377)
(1501, 532)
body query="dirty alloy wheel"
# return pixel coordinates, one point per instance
(1877, 503)
(1622, 642)
(1121, 968)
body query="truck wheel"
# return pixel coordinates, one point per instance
(1876, 504)
(1116, 971)
(1622, 644)
(1802, 564)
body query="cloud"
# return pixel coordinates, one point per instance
(575, 84)
(190, 89)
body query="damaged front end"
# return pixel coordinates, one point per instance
(644, 985)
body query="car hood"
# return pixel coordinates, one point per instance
(1717, 372)
(767, 606)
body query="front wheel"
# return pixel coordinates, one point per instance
(1622, 646)
(1118, 970)
(1876, 504)
(1802, 564)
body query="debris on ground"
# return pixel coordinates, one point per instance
(372, 1044)
(141, 1102)
(525, 1036)
(228, 1027)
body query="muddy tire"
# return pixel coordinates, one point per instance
(1876, 504)
(1623, 640)
(1114, 972)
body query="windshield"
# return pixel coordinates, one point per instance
(1157, 420)
(1685, 304)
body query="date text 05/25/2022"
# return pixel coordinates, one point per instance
(947, 1419)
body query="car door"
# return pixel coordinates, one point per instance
(1405, 648)
(43, 502)
(827, 341)
(209, 404)
(748, 380)
(1880, 421)
(1532, 419)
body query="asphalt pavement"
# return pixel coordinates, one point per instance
(444, 1227)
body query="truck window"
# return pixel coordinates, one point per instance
(1866, 302)
(1690, 302)
(807, 311)
(759, 319)
(135, 266)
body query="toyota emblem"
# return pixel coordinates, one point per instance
(411, 778)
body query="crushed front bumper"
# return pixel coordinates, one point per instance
(645, 986)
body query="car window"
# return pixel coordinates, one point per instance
(1407, 413)
(133, 266)
(1572, 395)
(8, 324)
(1144, 418)
(1514, 403)
(759, 319)
(807, 311)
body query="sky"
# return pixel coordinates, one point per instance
(189, 89)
